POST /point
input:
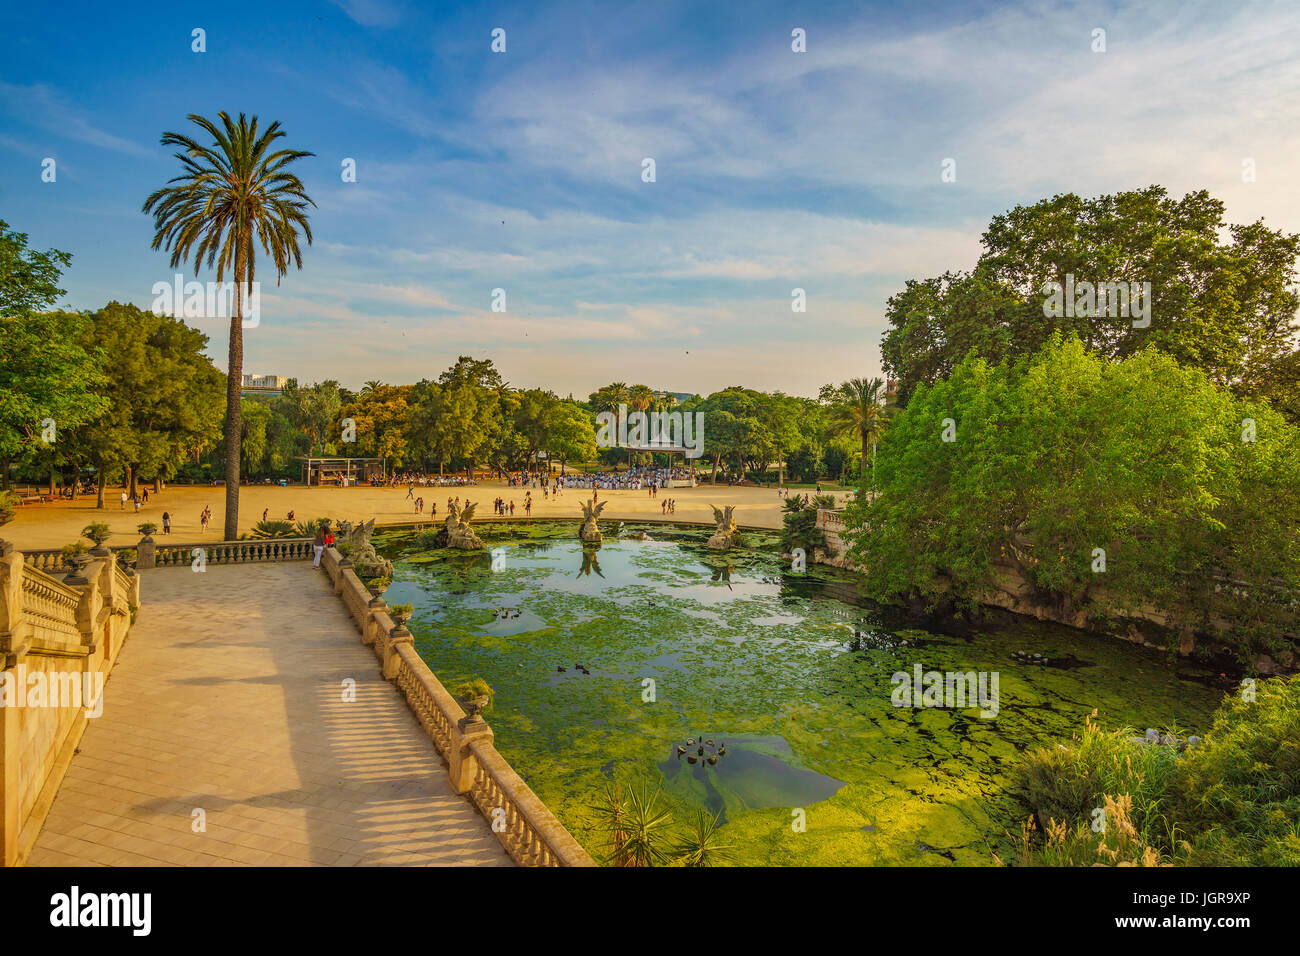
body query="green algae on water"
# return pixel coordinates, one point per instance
(794, 680)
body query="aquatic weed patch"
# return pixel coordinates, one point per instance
(796, 682)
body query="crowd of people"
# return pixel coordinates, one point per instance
(634, 479)
(414, 478)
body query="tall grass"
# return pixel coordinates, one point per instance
(1232, 800)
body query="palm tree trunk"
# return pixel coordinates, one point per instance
(234, 390)
(864, 460)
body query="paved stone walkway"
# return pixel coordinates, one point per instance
(228, 698)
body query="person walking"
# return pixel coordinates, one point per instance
(265, 512)
(123, 508)
(167, 523)
(318, 545)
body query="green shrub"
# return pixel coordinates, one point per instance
(70, 551)
(1240, 798)
(477, 687)
(1231, 800)
(1066, 784)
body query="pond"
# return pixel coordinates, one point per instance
(627, 661)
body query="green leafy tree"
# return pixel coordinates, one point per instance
(314, 409)
(162, 393)
(533, 418)
(255, 417)
(235, 196)
(572, 435)
(1110, 487)
(44, 371)
(381, 414)
(1222, 296)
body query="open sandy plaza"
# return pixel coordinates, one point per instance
(56, 523)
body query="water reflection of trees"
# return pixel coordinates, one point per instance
(467, 566)
(538, 545)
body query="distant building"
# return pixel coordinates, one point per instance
(264, 384)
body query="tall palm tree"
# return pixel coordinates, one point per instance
(370, 386)
(232, 197)
(639, 398)
(860, 410)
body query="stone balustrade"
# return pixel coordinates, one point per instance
(151, 554)
(64, 637)
(225, 552)
(49, 607)
(527, 829)
(826, 518)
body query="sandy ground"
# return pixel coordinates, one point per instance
(58, 523)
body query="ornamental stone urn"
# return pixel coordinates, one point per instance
(473, 707)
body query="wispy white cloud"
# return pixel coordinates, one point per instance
(44, 107)
(370, 13)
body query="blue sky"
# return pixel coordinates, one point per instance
(522, 170)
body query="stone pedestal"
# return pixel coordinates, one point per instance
(461, 765)
(398, 635)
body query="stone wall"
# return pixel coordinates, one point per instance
(53, 633)
(1012, 592)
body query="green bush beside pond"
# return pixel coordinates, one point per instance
(1232, 799)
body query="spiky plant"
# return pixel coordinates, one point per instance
(98, 532)
(700, 843)
(277, 529)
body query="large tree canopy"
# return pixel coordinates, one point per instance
(1222, 296)
(45, 373)
(162, 394)
(1041, 465)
